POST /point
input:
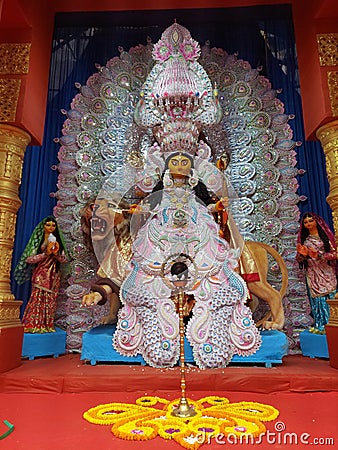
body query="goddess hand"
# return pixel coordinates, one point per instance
(135, 209)
(225, 201)
(222, 204)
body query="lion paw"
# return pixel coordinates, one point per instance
(109, 320)
(271, 325)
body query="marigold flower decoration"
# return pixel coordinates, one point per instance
(151, 416)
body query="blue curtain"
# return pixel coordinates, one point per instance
(263, 36)
(282, 70)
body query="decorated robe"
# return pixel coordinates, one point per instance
(221, 324)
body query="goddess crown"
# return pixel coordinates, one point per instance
(177, 98)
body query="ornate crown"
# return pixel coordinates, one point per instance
(177, 98)
(177, 135)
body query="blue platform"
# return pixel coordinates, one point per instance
(97, 347)
(44, 344)
(313, 345)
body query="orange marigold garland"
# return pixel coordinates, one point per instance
(151, 416)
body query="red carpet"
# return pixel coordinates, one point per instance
(54, 421)
(45, 400)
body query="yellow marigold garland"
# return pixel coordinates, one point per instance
(151, 416)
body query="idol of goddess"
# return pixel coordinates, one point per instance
(174, 224)
(180, 227)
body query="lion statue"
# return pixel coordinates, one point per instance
(105, 226)
(254, 260)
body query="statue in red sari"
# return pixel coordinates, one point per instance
(41, 262)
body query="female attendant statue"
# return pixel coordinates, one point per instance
(41, 262)
(317, 255)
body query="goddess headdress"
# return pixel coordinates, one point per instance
(177, 98)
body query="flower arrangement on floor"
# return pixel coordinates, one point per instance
(152, 416)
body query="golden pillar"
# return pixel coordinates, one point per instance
(328, 133)
(332, 332)
(328, 136)
(13, 143)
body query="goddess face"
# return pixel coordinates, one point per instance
(49, 226)
(179, 166)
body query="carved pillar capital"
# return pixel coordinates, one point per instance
(13, 143)
(328, 136)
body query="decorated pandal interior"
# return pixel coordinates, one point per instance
(185, 250)
(200, 172)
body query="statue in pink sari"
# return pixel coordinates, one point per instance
(317, 255)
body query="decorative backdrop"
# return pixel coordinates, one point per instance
(248, 38)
